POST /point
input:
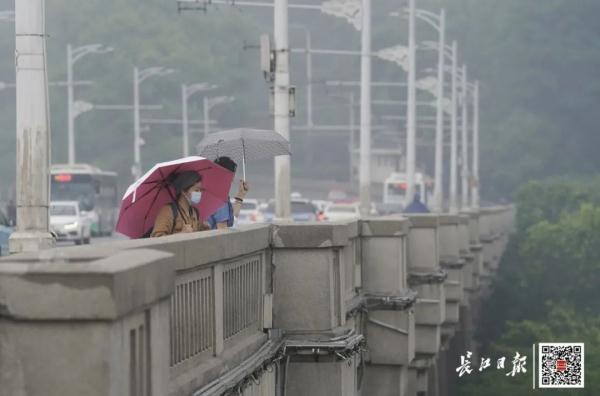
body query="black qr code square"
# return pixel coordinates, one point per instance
(560, 365)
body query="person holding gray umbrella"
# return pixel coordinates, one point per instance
(240, 145)
(244, 144)
(225, 216)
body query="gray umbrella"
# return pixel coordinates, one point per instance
(244, 144)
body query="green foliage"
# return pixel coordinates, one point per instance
(549, 199)
(547, 286)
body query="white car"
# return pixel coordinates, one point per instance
(339, 211)
(250, 212)
(69, 223)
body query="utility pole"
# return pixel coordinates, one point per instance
(309, 77)
(465, 141)
(438, 187)
(282, 108)
(365, 111)
(453, 133)
(475, 176)
(411, 125)
(33, 129)
(351, 104)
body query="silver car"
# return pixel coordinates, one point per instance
(69, 223)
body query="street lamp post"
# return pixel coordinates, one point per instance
(73, 55)
(453, 132)
(33, 130)
(186, 92)
(209, 103)
(411, 126)
(465, 141)
(475, 176)
(439, 24)
(282, 107)
(365, 111)
(138, 78)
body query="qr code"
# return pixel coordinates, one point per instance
(561, 365)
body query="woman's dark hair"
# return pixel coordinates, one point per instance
(226, 163)
(184, 180)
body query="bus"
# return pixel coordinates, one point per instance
(395, 185)
(94, 189)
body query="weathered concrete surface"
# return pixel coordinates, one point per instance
(386, 380)
(105, 289)
(392, 337)
(423, 243)
(305, 293)
(66, 328)
(384, 244)
(323, 377)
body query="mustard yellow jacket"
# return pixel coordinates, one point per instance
(163, 225)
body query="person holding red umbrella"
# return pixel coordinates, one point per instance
(173, 197)
(181, 215)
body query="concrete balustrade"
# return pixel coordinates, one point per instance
(344, 309)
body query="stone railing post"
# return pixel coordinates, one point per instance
(427, 278)
(389, 302)
(310, 268)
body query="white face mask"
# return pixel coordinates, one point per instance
(195, 197)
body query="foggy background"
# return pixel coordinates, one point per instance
(537, 62)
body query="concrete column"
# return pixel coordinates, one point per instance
(282, 108)
(411, 117)
(365, 111)
(33, 129)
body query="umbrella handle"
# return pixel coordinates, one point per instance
(244, 167)
(243, 160)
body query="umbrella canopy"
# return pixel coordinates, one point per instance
(244, 144)
(144, 198)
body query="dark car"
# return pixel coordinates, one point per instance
(302, 210)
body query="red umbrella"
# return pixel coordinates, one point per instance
(144, 198)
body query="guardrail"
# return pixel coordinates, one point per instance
(192, 314)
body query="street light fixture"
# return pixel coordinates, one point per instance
(397, 54)
(138, 78)
(73, 55)
(350, 10)
(358, 13)
(209, 103)
(187, 90)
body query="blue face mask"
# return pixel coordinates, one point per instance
(195, 197)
